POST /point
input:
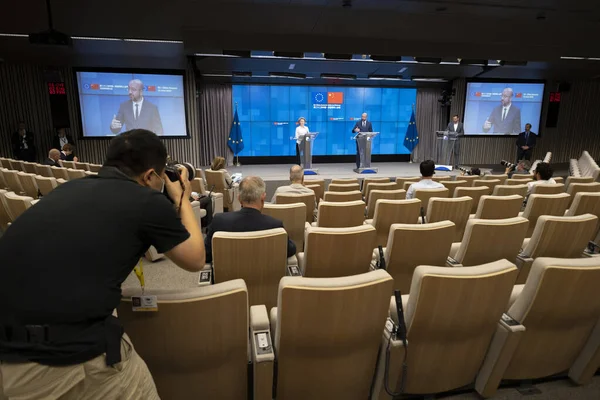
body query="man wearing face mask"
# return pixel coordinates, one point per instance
(58, 337)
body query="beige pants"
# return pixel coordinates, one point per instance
(93, 380)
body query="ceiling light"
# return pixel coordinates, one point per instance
(386, 77)
(572, 58)
(292, 75)
(20, 35)
(424, 79)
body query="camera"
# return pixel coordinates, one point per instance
(507, 164)
(465, 170)
(172, 170)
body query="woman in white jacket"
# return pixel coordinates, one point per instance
(302, 129)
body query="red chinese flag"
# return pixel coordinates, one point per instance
(335, 97)
(94, 86)
(519, 95)
(152, 88)
(477, 94)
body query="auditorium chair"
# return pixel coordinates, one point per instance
(60, 173)
(388, 212)
(586, 203)
(319, 192)
(291, 198)
(488, 240)
(455, 209)
(344, 181)
(333, 252)
(585, 166)
(425, 194)
(67, 164)
(366, 181)
(400, 255)
(81, 165)
(528, 177)
(153, 255)
(95, 167)
(544, 204)
(199, 341)
(573, 179)
(441, 178)
(563, 237)
(327, 333)
(400, 181)
(199, 187)
(259, 258)
(343, 196)
(374, 195)
(518, 181)
(548, 188)
(16, 165)
(343, 187)
(473, 192)
(216, 180)
(556, 316)
(451, 315)
(575, 188)
(28, 184)
(501, 177)
(12, 181)
(293, 217)
(318, 189)
(452, 185)
(469, 178)
(3, 184)
(340, 214)
(378, 186)
(29, 167)
(45, 185)
(509, 190)
(498, 207)
(559, 179)
(491, 183)
(5, 218)
(16, 205)
(5, 162)
(75, 173)
(44, 170)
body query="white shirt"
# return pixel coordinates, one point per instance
(295, 188)
(63, 140)
(530, 185)
(24, 141)
(455, 127)
(139, 104)
(505, 110)
(300, 130)
(422, 184)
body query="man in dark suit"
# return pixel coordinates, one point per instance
(61, 139)
(53, 157)
(506, 118)
(456, 126)
(250, 218)
(361, 126)
(137, 112)
(526, 143)
(23, 144)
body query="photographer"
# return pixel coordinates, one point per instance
(522, 167)
(58, 337)
(469, 172)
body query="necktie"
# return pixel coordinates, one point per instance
(364, 123)
(526, 137)
(504, 114)
(137, 111)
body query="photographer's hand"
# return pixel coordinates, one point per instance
(178, 191)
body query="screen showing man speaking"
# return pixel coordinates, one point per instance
(502, 108)
(112, 103)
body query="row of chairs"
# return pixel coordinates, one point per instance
(328, 338)
(33, 185)
(585, 166)
(30, 167)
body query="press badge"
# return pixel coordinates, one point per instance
(144, 303)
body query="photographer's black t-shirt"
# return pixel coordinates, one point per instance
(62, 262)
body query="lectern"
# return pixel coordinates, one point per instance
(364, 140)
(306, 149)
(446, 141)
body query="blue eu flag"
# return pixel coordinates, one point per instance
(411, 140)
(235, 141)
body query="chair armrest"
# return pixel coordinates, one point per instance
(263, 356)
(397, 354)
(524, 263)
(451, 262)
(393, 312)
(293, 260)
(306, 226)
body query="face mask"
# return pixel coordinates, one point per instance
(162, 189)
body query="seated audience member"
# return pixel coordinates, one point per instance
(297, 186)
(218, 164)
(542, 174)
(71, 346)
(61, 138)
(67, 153)
(427, 170)
(53, 157)
(522, 167)
(249, 218)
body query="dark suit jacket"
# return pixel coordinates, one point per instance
(460, 130)
(149, 117)
(70, 157)
(529, 142)
(56, 141)
(51, 162)
(245, 220)
(17, 143)
(511, 124)
(367, 128)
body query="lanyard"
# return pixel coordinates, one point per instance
(139, 272)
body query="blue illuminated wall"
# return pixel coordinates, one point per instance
(268, 115)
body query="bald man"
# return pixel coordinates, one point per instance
(506, 117)
(137, 112)
(297, 186)
(53, 157)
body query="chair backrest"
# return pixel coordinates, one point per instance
(586, 203)
(455, 209)
(343, 181)
(216, 178)
(388, 212)
(559, 179)
(293, 217)
(404, 253)
(488, 240)
(29, 167)
(366, 181)
(343, 196)
(309, 331)
(544, 204)
(441, 178)
(43, 170)
(211, 321)
(425, 194)
(452, 185)
(68, 164)
(378, 186)
(95, 167)
(499, 207)
(291, 198)
(502, 178)
(575, 188)
(320, 191)
(491, 183)
(559, 306)
(45, 185)
(400, 181)
(509, 190)
(473, 192)
(5, 162)
(5, 217)
(11, 178)
(60, 173)
(518, 181)
(75, 173)
(16, 205)
(16, 165)
(343, 187)
(317, 189)
(28, 183)
(341, 214)
(198, 185)
(442, 292)
(333, 252)
(578, 179)
(82, 166)
(529, 177)
(259, 258)
(374, 195)
(469, 178)
(549, 188)
(3, 184)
